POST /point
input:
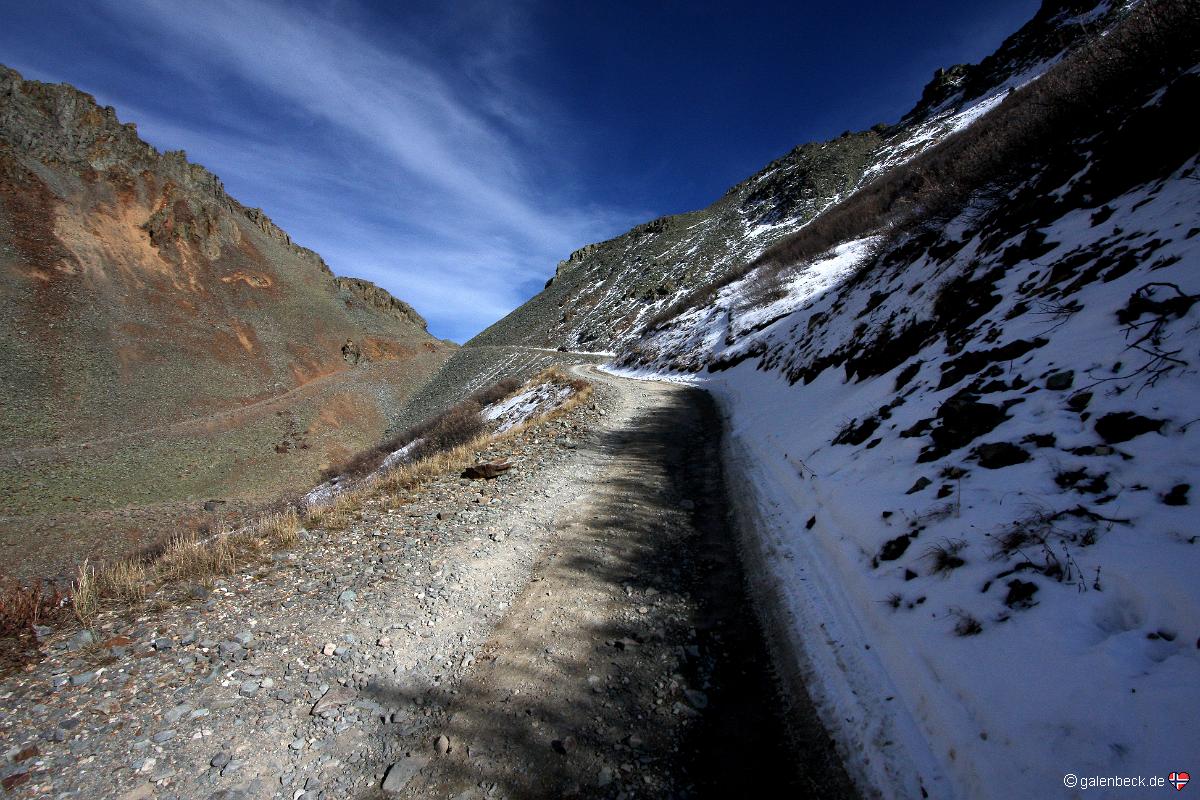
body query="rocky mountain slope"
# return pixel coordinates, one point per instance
(163, 344)
(603, 295)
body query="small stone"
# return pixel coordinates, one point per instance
(143, 791)
(347, 597)
(244, 638)
(329, 648)
(83, 678)
(26, 753)
(442, 745)
(163, 736)
(403, 771)
(219, 760)
(81, 639)
(248, 688)
(1060, 381)
(177, 713)
(337, 696)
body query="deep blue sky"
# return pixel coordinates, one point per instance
(453, 152)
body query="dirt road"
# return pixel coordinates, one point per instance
(575, 628)
(632, 659)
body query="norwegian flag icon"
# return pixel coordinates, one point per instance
(1179, 780)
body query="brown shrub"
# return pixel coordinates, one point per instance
(24, 605)
(495, 393)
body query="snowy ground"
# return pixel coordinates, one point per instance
(525, 405)
(994, 536)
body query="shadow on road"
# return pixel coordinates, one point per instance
(632, 665)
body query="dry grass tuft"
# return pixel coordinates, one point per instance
(337, 513)
(85, 597)
(281, 529)
(126, 581)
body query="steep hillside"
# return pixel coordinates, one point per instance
(962, 435)
(162, 343)
(603, 295)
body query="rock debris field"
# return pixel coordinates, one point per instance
(575, 627)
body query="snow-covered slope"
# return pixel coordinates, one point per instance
(967, 453)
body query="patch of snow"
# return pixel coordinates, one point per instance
(526, 405)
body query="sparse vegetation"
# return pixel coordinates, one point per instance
(282, 529)
(944, 556)
(24, 605)
(335, 514)
(966, 625)
(455, 426)
(84, 595)
(125, 581)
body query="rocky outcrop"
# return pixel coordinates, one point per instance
(380, 298)
(59, 124)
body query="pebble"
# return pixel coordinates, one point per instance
(80, 640)
(83, 678)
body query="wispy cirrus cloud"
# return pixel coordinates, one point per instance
(430, 175)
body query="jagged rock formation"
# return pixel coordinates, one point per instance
(137, 294)
(382, 299)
